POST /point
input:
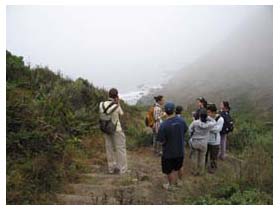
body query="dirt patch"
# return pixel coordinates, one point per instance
(142, 185)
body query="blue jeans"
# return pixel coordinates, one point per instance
(156, 144)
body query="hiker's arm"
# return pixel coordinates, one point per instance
(218, 127)
(212, 123)
(120, 110)
(191, 128)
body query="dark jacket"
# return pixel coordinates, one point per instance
(172, 136)
(196, 114)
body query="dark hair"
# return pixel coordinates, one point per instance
(226, 105)
(179, 109)
(203, 115)
(158, 98)
(113, 93)
(203, 101)
(212, 107)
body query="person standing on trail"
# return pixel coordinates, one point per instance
(201, 104)
(178, 111)
(199, 132)
(172, 136)
(115, 141)
(227, 127)
(158, 117)
(214, 138)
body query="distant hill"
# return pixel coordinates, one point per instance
(240, 69)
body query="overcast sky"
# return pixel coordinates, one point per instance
(119, 46)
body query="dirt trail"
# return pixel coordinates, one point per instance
(142, 185)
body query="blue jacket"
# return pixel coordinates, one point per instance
(172, 136)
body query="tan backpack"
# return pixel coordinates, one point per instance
(149, 120)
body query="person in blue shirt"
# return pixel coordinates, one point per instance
(172, 136)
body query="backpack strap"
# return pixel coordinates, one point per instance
(218, 117)
(108, 107)
(114, 109)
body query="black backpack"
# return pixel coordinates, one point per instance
(105, 121)
(228, 123)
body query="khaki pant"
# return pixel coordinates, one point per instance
(198, 152)
(116, 151)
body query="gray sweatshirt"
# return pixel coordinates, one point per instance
(200, 130)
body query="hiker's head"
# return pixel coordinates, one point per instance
(201, 102)
(159, 99)
(211, 110)
(179, 109)
(169, 108)
(113, 93)
(203, 115)
(224, 106)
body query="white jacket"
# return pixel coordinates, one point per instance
(215, 137)
(115, 114)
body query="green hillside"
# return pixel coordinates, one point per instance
(52, 126)
(53, 139)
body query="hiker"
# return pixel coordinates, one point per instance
(172, 136)
(115, 141)
(199, 132)
(178, 111)
(214, 138)
(201, 104)
(227, 127)
(158, 118)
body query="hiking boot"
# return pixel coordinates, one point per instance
(111, 171)
(195, 173)
(222, 158)
(169, 187)
(166, 186)
(116, 171)
(179, 183)
(125, 172)
(211, 170)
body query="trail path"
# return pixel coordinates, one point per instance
(142, 185)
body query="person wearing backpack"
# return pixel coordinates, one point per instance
(199, 131)
(214, 138)
(201, 104)
(115, 141)
(227, 128)
(158, 119)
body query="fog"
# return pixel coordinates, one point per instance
(239, 69)
(120, 47)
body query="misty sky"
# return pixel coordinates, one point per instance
(119, 46)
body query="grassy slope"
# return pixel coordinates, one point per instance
(52, 126)
(52, 129)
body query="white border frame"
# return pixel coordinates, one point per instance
(276, 77)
